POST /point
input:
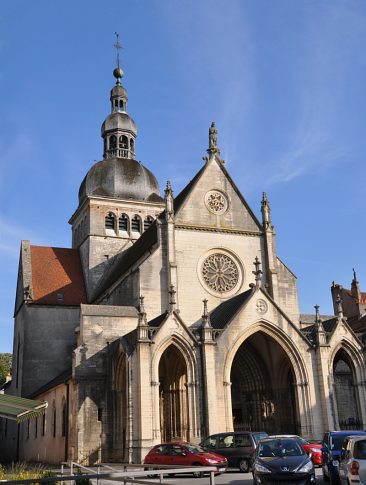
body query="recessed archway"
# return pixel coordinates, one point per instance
(262, 391)
(173, 401)
(345, 392)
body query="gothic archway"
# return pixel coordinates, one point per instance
(120, 415)
(262, 390)
(345, 391)
(173, 402)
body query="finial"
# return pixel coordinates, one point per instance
(168, 188)
(354, 275)
(172, 301)
(258, 272)
(142, 313)
(317, 316)
(212, 138)
(205, 317)
(118, 72)
(339, 306)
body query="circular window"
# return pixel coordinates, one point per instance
(216, 202)
(220, 272)
(261, 306)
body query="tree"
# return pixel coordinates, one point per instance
(5, 366)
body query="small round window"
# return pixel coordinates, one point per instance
(216, 202)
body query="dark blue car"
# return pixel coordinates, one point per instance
(331, 451)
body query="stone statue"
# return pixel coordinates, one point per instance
(213, 135)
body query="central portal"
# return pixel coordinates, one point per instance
(263, 397)
(173, 395)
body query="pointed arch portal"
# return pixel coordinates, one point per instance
(345, 392)
(262, 390)
(173, 395)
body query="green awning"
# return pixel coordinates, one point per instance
(20, 409)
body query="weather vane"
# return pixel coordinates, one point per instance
(117, 46)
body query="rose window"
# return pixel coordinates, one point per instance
(216, 202)
(220, 272)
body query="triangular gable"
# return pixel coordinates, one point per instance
(163, 320)
(332, 325)
(226, 312)
(190, 203)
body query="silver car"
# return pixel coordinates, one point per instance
(352, 465)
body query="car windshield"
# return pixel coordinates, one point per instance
(259, 436)
(336, 441)
(194, 448)
(280, 448)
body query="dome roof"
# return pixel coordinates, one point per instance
(120, 178)
(119, 121)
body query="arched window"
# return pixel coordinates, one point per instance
(147, 222)
(123, 141)
(109, 221)
(121, 105)
(123, 223)
(113, 142)
(43, 424)
(136, 224)
(64, 418)
(132, 145)
(54, 416)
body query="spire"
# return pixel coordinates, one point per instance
(355, 287)
(119, 130)
(212, 141)
(266, 212)
(339, 307)
(169, 200)
(206, 323)
(317, 316)
(258, 272)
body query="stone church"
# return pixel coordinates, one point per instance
(171, 317)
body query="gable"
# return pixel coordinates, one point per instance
(212, 200)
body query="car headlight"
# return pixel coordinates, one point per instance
(308, 467)
(212, 461)
(261, 469)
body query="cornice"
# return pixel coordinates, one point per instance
(189, 227)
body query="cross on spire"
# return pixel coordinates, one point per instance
(117, 46)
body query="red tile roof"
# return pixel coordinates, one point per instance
(57, 276)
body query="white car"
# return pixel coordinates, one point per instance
(352, 465)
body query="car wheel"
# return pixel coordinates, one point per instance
(197, 474)
(244, 465)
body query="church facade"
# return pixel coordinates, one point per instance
(171, 317)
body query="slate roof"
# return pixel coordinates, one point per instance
(57, 276)
(328, 325)
(123, 261)
(60, 379)
(157, 321)
(226, 311)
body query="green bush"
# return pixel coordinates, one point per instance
(82, 480)
(24, 471)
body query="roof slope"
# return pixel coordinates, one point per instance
(123, 261)
(20, 409)
(57, 276)
(226, 311)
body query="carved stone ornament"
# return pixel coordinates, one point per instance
(216, 202)
(220, 272)
(261, 306)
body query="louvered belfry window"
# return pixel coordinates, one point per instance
(123, 223)
(109, 221)
(147, 222)
(136, 224)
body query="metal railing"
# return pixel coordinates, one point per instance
(129, 474)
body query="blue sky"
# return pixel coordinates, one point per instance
(284, 80)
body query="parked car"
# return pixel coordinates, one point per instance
(331, 451)
(282, 460)
(180, 453)
(312, 447)
(352, 464)
(238, 447)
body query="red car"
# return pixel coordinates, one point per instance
(184, 454)
(314, 448)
